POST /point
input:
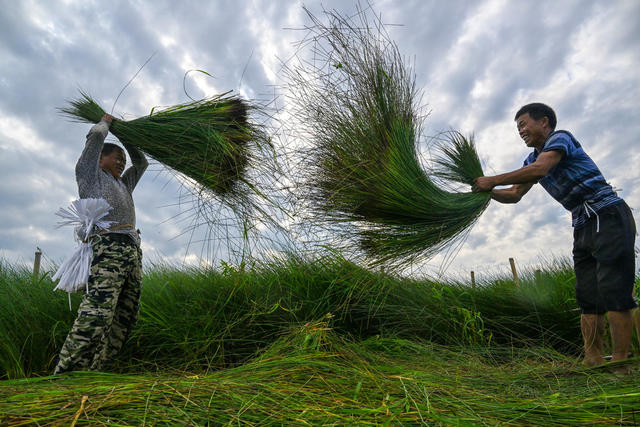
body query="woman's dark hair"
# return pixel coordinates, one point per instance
(537, 111)
(109, 148)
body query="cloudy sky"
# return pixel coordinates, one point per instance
(476, 61)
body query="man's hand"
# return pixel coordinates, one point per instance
(482, 184)
(108, 118)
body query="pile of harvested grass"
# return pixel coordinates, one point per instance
(357, 104)
(313, 376)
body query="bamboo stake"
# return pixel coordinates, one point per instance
(473, 279)
(515, 273)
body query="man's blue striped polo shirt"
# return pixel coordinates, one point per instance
(576, 182)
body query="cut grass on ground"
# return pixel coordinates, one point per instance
(319, 341)
(312, 376)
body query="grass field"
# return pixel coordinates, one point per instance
(319, 341)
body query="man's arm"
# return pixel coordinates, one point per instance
(88, 164)
(139, 164)
(512, 194)
(522, 179)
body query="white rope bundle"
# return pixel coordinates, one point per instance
(85, 214)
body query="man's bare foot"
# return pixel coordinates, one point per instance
(591, 362)
(621, 371)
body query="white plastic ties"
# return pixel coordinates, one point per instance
(586, 208)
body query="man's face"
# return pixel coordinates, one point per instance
(113, 163)
(533, 132)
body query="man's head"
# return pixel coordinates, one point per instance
(535, 122)
(113, 159)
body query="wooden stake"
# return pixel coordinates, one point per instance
(473, 279)
(36, 263)
(515, 273)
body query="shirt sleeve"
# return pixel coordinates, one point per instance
(530, 159)
(87, 167)
(560, 142)
(138, 165)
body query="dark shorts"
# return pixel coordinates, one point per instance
(604, 261)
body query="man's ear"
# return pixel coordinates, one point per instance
(545, 121)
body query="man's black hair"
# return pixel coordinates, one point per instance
(537, 111)
(109, 148)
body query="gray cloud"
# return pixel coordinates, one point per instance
(477, 63)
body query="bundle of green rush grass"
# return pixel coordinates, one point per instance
(218, 148)
(356, 101)
(205, 140)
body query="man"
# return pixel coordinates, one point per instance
(604, 229)
(109, 310)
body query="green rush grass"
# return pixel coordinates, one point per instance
(206, 140)
(312, 376)
(357, 105)
(315, 341)
(224, 160)
(199, 320)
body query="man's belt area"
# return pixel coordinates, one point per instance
(118, 237)
(117, 227)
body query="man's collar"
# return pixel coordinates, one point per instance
(544, 143)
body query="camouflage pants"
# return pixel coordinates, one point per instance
(109, 310)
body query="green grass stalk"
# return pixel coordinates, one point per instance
(357, 105)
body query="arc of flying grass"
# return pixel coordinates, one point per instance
(364, 177)
(184, 81)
